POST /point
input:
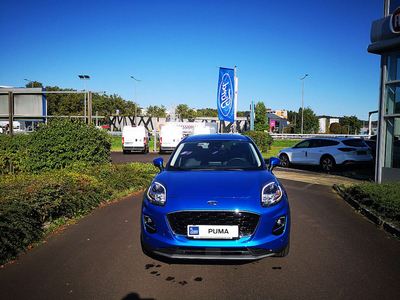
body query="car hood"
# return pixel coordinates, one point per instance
(214, 184)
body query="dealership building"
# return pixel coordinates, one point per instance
(385, 41)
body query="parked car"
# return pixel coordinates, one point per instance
(215, 199)
(327, 152)
(170, 136)
(372, 145)
(135, 139)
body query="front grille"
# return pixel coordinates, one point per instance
(247, 221)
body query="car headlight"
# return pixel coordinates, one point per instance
(157, 194)
(271, 194)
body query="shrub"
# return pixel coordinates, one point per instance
(262, 139)
(28, 201)
(383, 199)
(60, 143)
(13, 150)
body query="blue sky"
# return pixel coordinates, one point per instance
(174, 47)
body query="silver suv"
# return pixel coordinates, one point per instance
(327, 152)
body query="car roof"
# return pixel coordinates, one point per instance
(216, 136)
(336, 138)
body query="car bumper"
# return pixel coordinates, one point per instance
(345, 161)
(134, 148)
(213, 253)
(168, 148)
(262, 243)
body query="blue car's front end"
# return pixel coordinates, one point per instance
(218, 213)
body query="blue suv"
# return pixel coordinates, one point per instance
(216, 198)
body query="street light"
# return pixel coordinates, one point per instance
(84, 77)
(30, 81)
(136, 80)
(302, 104)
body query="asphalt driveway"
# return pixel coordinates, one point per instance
(335, 254)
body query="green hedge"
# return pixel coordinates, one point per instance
(383, 199)
(262, 139)
(58, 144)
(27, 202)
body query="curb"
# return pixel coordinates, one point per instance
(389, 227)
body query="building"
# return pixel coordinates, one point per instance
(326, 122)
(276, 123)
(385, 41)
(280, 113)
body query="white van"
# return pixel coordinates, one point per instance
(135, 139)
(204, 130)
(170, 136)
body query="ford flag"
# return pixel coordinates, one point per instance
(226, 92)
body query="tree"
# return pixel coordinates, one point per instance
(310, 121)
(155, 111)
(183, 111)
(35, 84)
(64, 104)
(335, 128)
(108, 105)
(292, 116)
(260, 122)
(241, 113)
(207, 112)
(352, 124)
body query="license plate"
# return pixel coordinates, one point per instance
(213, 231)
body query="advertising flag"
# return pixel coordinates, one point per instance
(226, 95)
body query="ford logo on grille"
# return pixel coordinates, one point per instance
(212, 202)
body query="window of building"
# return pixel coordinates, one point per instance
(392, 112)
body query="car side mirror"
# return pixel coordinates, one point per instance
(272, 162)
(159, 163)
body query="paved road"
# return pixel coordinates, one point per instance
(335, 254)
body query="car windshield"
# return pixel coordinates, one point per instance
(215, 155)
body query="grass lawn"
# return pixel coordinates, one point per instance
(116, 144)
(278, 145)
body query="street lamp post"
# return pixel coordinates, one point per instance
(84, 77)
(30, 81)
(302, 104)
(136, 80)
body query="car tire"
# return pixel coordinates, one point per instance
(285, 252)
(327, 163)
(284, 160)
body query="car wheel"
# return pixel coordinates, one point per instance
(285, 252)
(284, 160)
(328, 163)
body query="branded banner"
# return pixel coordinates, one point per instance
(226, 95)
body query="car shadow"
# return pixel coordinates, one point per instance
(214, 262)
(360, 172)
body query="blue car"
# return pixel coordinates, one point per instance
(216, 198)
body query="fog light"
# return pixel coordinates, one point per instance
(279, 226)
(149, 224)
